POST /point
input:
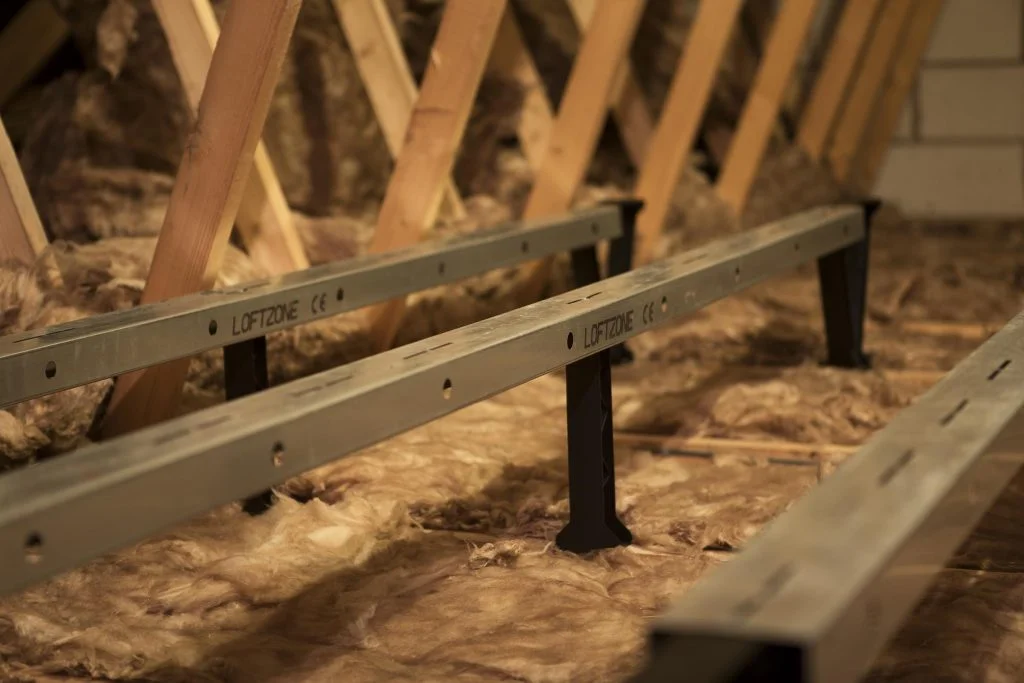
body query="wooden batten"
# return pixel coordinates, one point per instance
(511, 60)
(22, 237)
(27, 42)
(761, 110)
(902, 73)
(438, 122)
(580, 119)
(384, 70)
(264, 219)
(835, 76)
(245, 67)
(680, 120)
(864, 96)
(936, 328)
(628, 103)
(713, 445)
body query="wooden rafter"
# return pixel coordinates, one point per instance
(458, 59)
(581, 116)
(208, 189)
(902, 73)
(584, 106)
(761, 110)
(27, 42)
(629, 106)
(867, 86)
(836, 73)
(677, 129)
(511, 59)
(22, 237)
(386, 75)
(744, 52)
(264, 220)
(385, 72)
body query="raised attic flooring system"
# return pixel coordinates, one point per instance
(429, 556)
(447, 530)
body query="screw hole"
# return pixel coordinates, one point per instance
(569, 341)
(51, 370)
(892, 470)
(34, 548)
(277, 454)
(664, 304)
(446, 389)
(949, 417)
(340, 293)
(213, 327)
(440, 268)
(737, 270)
(1002, 366)
(796, 246)
(525, 246)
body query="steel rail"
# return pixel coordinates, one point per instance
(819, 592)
(50, 359)
(62, 512)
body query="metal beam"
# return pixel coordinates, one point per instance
(816, 596)
(43, 361)
(64, 511)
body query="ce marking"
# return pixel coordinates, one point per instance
(647, 314)
(318, 304)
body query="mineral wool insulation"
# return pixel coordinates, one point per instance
(429, 557)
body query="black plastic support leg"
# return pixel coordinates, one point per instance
(245, 372)
(620, 260)
(843, 276)
(585, 269)
(593, 521)
(620, 253)
(245, 368)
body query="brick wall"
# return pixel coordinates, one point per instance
(959, 152)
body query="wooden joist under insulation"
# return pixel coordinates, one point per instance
(245, 67)
(264, 219)
(712, 445)
(936, 328)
